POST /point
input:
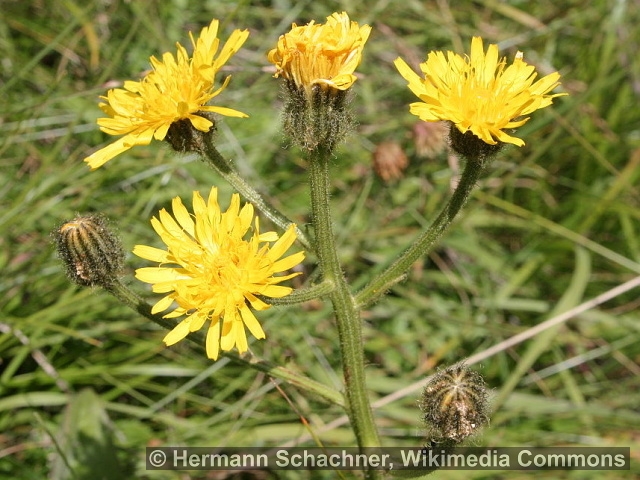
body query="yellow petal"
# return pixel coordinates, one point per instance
(178, 312)
(268, 237)
(415, 83)
(276, 291)
(283, 243)
(231, 46)
(197, 320)
(151, 253)
(200, 123)
(227, 112)
(157, 274)
(182, 216)
(213, 339)
(251, 322)
(288, 262)
(229, 217)
(281, 278)
(233, 333)
(102, 156)
(177, 334)
(162, 305)
(256, 303)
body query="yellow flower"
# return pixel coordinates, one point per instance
(176, 89)
(217, 273)
(478, 93)
(324, 55)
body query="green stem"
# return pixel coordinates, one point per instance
(347, 317)
(302, 295)
(379, 285)
(133, 301)
(224, 168)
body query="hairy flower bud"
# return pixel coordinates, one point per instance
(92, 253)
(454, 404)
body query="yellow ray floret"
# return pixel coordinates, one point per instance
(321, 54)
(177, 88)
(213, 273)
(479, 93)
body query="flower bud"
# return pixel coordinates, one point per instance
(454, 404)
(92, 253)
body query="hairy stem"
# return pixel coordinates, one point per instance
(347, 316)
(224, 168)
(426, 241)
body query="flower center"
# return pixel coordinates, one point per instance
(223, 272)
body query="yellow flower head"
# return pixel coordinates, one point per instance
(176, 89)
(324, 55)
(478, 93)
(216, 273)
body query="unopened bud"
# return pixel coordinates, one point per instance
(92, 253)
(455, 404)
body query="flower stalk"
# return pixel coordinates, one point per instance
(305, 294)
(347, 316)
(427, 240)
(221, 165)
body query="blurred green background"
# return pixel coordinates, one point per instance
(86, 384)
